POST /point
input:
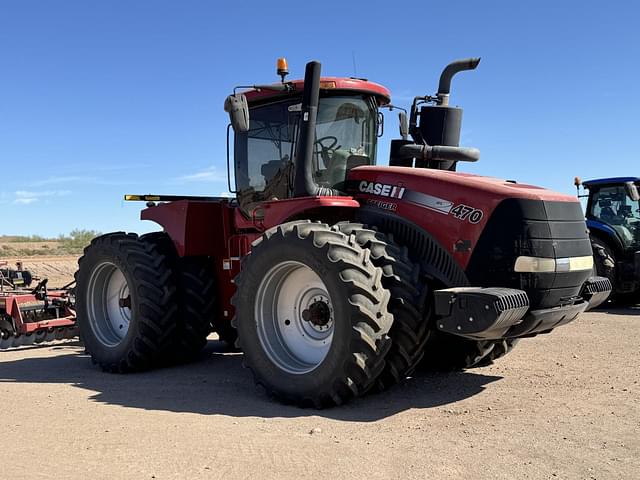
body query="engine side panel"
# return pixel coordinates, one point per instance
(453, 207)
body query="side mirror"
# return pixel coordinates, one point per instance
(404, 125)
(632, 191)
(238, 109)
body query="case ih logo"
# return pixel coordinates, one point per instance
(382, 189)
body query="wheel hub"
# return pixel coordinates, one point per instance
(294, 317)
(109, 301)
(318, 314)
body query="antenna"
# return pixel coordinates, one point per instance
(353, 58)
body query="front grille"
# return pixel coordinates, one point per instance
(532, 228)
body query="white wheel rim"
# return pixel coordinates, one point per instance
(109, 304)
(294, 317)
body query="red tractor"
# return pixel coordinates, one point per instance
(335, 276)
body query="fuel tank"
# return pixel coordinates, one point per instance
(485, 224)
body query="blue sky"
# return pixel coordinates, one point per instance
(102, 98)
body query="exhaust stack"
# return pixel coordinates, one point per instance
(438, 125)
(444, 86)
(304, 184)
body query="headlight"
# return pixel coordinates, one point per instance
(547, 265)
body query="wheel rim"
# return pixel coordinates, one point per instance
(109, 304)
(294, 317)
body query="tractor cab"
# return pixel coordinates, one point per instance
(347, 127)
(614, 206)
(613, 220)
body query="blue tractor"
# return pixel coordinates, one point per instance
(613, 219)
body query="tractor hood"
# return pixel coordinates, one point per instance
(486, 223)
(451, 187)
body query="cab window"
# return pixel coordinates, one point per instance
(612, 206)
(263, 155)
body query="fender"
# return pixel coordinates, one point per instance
(606, 233)
(434, 260)
(270, 214)
(197, 228)
(203, 228)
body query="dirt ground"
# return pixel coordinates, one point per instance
(565, 405)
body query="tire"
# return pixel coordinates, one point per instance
(446, 352)
(196, 298)
(407, 304)
(604, 260)
(499, 350)
(328, 345)
(125, 303)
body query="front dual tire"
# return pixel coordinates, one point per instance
(312, 315)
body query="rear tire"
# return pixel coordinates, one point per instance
(195, 297)
(311, 315)
(125, 302)
(411, 312)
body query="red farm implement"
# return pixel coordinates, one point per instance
(34, 316)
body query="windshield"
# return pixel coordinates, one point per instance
(612, 205)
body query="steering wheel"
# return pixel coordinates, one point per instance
(325, 149)
(334, 142)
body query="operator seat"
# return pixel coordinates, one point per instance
(607, 214)
(341, 161)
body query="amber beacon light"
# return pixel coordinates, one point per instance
(283, 68)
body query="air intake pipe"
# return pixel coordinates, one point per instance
(438, 153)
(304, 184)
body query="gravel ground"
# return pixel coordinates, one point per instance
(564, 405)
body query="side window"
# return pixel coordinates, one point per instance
(612, 205)
(607, 204)
(263, 155)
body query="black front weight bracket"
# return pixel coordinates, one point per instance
(480, 313)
